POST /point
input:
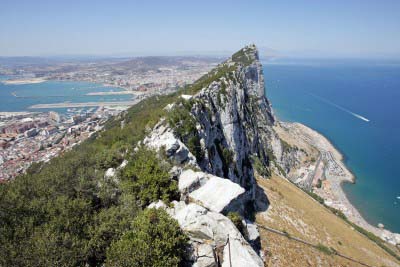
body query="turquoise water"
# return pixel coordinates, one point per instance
(337, 99)
(21, 97)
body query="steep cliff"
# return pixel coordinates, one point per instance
(218, 135)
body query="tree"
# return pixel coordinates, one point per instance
(146, 178)
(155, 240)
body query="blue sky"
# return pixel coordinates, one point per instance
(341, 28)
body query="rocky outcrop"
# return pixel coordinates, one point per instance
(216, 134)
(190, 180)
(162, 137)
(219, 195)
(214, 238)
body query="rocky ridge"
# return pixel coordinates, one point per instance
(230, 127)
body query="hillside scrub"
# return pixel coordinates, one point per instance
(155, 240)
(65, 213)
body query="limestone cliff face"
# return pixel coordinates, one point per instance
(226, 128)
(217, 136)
(234, 120)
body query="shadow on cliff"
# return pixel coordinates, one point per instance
(259, 204)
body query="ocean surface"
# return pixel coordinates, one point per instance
(356, 105)
(21, 97)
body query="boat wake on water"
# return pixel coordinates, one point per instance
(340, 107)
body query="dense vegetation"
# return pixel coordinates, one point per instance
(66, 213)
(155, 240)
(146, 179)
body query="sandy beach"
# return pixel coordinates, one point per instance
(335, 173)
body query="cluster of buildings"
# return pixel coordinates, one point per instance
(26, 126)
(150, 80)
(39, 137)
(27, 137)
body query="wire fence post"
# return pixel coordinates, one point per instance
(229, 249)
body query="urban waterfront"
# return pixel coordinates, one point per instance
(20, 97)
(30, 135)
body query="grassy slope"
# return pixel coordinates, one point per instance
(295, 212)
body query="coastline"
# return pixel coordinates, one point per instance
(331, 190)
(85, 104)
(123, 88)
(24, 81)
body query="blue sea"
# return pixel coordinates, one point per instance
(356, 105)
(21, 97)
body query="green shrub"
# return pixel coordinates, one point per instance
(237, 221)
(222, 70)
(146, 178)
(272, 158)
(242, 58)
(225, 155)
(184, 125)
(155, 240)
(260, 167)
(325, 249)
(315, 196)
(319, 183)
(285, 146)
(286, 233)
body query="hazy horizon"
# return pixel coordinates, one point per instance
(340, 29)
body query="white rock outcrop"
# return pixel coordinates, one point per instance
(123, 164)
(217, 193)
(157, 205)
(209, 232)
(186, 97)
(190, 180)
(162, 137)
(110, 173)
